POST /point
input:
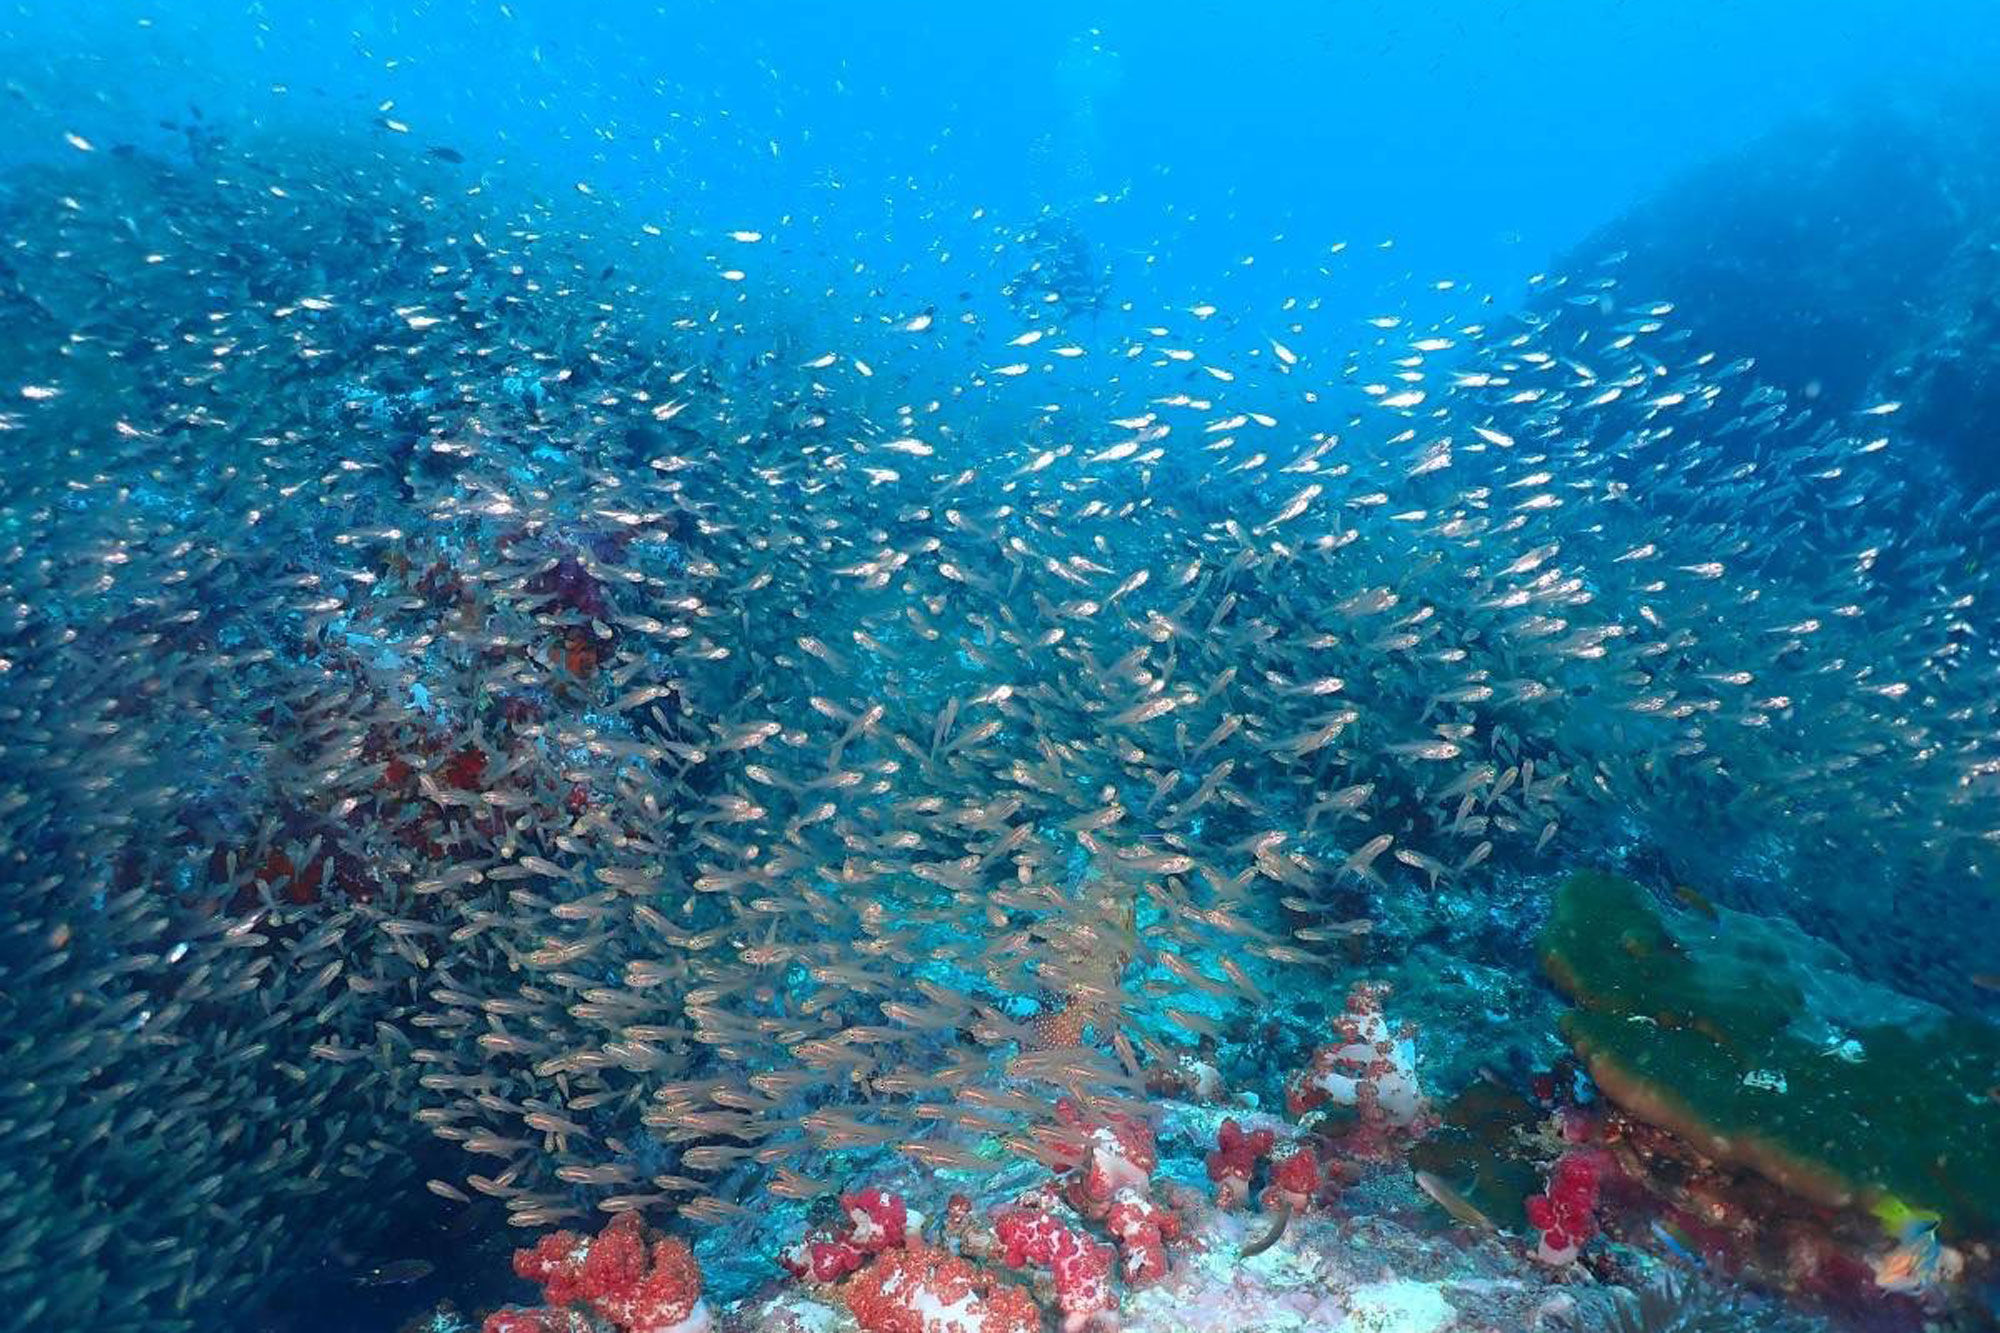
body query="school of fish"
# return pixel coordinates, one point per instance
(471, 676)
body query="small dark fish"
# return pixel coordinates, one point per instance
(445, 154)
(400, 1272)
(1269, 1238)
(1692, 899)
(1986, 980)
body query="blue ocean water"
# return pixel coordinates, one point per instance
(1484, 140)
(665, 537)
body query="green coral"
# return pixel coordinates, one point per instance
(1691, 1030)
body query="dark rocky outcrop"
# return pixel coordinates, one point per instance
(1855, 254)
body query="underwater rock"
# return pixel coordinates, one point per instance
(1477, 1151)
(1854, 254)
(1717, 1048)
(1399, 1307)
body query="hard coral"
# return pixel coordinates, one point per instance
(528, 1321)
(639, 1283)
(1189, 1076)
(1061, 1025)
(1675, 1303)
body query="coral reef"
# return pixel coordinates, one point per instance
(536, 740)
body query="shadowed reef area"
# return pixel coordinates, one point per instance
(1855, 254)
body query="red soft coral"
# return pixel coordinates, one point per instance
(1565, 1213)
(1081, 1267)
(1234, 1161)
(876, 1218)
(1143, 1228)
(638, 1282)
(823, 1258)
(1117, 1153)
(876, 1221)
(922, 1290)
(555, 1264)
(1294, 1181)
